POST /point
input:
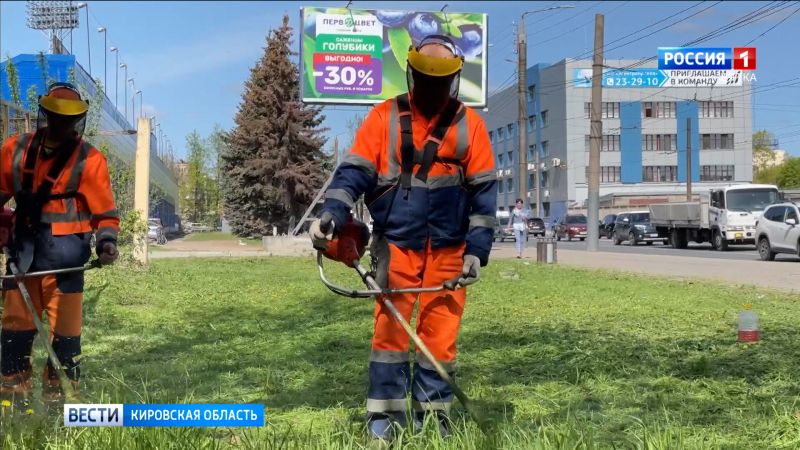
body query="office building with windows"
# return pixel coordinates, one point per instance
(646, 122)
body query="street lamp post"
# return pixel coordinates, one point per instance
(88, 43)
(133, 110)
(115, 51)
(139, 92)
(105, 56)
(522, 88)
(125, 82)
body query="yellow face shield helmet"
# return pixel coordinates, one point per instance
(433, 66)
(435, 70)
(63, 112)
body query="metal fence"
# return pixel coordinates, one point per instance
(15, 120)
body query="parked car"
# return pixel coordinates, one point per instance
(501, 231)
(635, 227)
(573, 226)
(607, 226)
(778, 231)
(536, 227)
(193, 227)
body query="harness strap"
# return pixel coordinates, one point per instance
(410, 156)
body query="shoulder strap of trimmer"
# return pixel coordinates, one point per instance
(30, 213)
(409, 154)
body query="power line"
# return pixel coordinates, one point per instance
(772, 27)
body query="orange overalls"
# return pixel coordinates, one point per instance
(80, 202)
(423, 227)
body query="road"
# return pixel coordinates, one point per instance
(742, 253)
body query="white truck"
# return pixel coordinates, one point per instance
(724, 216)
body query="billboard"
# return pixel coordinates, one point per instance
(358, 56)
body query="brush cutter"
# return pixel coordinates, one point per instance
(348, 247)
(44, 333)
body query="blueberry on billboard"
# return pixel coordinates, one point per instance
(359, 56)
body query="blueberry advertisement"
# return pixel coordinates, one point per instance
(359, 56)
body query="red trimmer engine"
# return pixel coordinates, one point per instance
(349, 244)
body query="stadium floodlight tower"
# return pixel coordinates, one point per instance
(56, 19)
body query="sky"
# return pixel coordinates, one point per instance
(191, 59)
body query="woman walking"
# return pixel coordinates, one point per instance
(518, 221)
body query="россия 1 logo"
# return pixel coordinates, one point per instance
(710, 58)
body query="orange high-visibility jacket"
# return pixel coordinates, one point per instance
(455, 203)
(86, 173)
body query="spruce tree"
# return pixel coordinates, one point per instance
(274, 165)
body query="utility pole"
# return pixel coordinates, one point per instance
(688, 159)
(522, 51)
(336, 151)
(593, 210)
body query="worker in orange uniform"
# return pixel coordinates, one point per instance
(425, 164)
(62, 191)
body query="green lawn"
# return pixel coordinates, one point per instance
(560, 358)
(219, 236)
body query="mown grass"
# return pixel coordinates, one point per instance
(559, 358)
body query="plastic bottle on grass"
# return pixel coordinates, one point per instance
(748, 325)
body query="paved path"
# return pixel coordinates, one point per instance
(741, 252)
(783, 274)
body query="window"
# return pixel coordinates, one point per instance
(531, 181)
(531, 92)
(718, 199)
(717, 173)
(608, 174)
(658, 109)
(610, 143)
(510, 130)
(654, 174)
(791, 213)
(545, 149)
(659, 142)
(510, 158)
(716, 109)
(544, 118)
(531, 152)
(491, 136)
(500, 160)
(775, 214)
(545, 179)
(500, 134)
(608, 110)
(716, 141)
(509, 185)
(532, 122)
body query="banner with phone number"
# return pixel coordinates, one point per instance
(359, 56)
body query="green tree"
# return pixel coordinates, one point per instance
(32, 96)
(763, 156)
(199, 191)
(789, 174)
(122, 179)
(275, 162)
(13, 82)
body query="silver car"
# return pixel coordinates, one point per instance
(778, 231)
